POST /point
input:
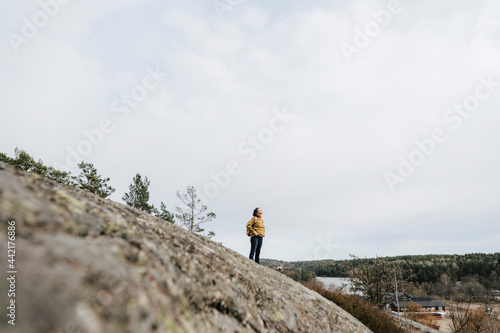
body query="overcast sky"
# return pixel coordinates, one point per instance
(358, 127)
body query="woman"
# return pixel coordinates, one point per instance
(257, 232)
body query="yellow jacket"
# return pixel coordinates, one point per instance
(256, 227)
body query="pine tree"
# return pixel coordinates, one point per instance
(164, 214)
(62, 177)
(25, 162)
(90, 181)
(138, 195)
(6, 159)
(195, 214)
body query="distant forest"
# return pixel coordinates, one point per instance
(420, 269)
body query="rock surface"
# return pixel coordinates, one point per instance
(86, 264)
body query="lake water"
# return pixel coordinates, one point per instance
(336, 282)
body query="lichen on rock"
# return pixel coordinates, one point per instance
(87, 264)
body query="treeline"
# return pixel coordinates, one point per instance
(420, 269)
(88, 179)
(331, 268)
(428, 269)
(138, 196)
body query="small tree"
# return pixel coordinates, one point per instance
(460, 316)
(62, 177)
(477, 321)
(138, 195)
(164, 214)
(195, 214)
(90, 181)
(25, 162)
(4, 158)
(413, 310)
(465, 320)
(471, 289)
(374, 280)
(445, 286)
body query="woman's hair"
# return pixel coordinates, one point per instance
(256, 212)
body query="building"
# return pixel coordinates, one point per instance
(427, 303)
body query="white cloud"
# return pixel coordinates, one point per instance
(255, 18)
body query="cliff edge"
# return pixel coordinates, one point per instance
(87, 264)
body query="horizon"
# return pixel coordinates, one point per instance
(391, 256)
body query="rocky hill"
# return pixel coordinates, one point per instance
(86, 264)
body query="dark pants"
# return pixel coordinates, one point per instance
(255, 245)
